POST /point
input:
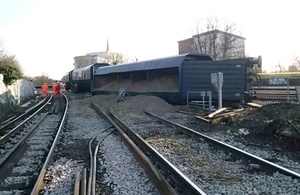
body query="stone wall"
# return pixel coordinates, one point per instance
(15, 94)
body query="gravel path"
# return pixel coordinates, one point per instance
(118, 171)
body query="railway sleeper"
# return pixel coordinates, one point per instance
(15, 185)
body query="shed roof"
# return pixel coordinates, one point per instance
(168, 62)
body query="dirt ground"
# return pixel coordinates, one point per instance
(275, 124)
(131, 107)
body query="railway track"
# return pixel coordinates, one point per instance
(172, 150)
(27, 147)
(140, 148)
(275, 93)
(176, 160)
(264, 164)
(16, 119)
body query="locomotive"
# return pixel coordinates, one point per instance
(67, 80)
(81, 79)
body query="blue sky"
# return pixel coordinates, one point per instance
(45, 35)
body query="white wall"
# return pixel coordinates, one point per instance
(20, 91)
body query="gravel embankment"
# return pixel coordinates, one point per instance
(235, 139)
(258, 183)
(118, 171)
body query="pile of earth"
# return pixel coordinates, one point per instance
(272, 124)
(131, 107)
(275, 124)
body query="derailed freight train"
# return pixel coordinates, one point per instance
(81, 79)
(67, 80)
(172, 78)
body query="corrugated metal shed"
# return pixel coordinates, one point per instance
(168, 62)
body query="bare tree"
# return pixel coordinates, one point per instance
(219, 44)
(280, 68)
(295, 65)
(118, 58)
(115, 58)
(231, 44)
(128, 59)
(2, 53)
(296, 61)
(293, 68)
(39, 80)
(8, 60)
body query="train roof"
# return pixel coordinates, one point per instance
(168, 62)
(89, 66)
(67, 73)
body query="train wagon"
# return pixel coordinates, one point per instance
(82, 78)
(67, 79)
(172, 78)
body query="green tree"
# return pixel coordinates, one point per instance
(10, 74)
(9, 67)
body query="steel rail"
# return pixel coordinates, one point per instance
(275, 93)
(2, 128)
(39, 183)
(275, 97)
(93, 163)
(6, 136)
(89, 186)
(92, 174)
(186, 186)
(155, 176)
(19, 143)
(77, 184)
(273, 88)
(264, 164)
(83, 182)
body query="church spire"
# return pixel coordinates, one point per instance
(107, 45)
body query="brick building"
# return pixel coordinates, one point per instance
(218, 44)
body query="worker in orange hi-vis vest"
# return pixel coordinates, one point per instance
(56, 108)
(56, 89)
(44, 90)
